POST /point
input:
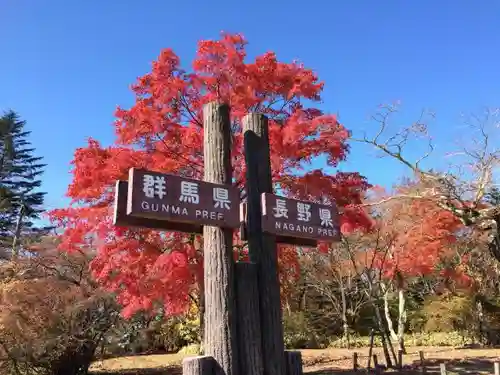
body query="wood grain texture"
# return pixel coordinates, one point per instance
(249, 332)
(261, 246)
(219, 284)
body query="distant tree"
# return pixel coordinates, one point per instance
(469, 187)
(7, 153)
(423, 245)
(330, 275)
(21, 202)
(162, 132)
(53, 316)
(493, 196)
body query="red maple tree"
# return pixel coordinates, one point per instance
(163, 132)
(422, 238)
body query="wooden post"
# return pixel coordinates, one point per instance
(370, 350)
(261, 246)
(442, 369)
(355, 361)
(201, 365)
(293, 360)
(496, 368)
(422, 361)
(375, 364)
(400, 359)
(220, 332)
(248, 320)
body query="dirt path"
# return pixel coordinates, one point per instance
(321, 361)
(461, 361)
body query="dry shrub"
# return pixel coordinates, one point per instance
(52, 316)
(449, 312)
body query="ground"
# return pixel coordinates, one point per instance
(322, 361)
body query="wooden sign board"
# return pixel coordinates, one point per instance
(290, 218)
(120, 217)
(160, 196)
(304, 242)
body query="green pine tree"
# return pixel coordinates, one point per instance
(21, 202)
(493, 196)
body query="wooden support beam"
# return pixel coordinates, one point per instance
(249, 332)
(261, 246)
(220, 306)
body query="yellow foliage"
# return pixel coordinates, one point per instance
(449, 313)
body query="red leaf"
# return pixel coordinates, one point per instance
(163, 131)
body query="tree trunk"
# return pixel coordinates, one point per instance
(17, 233)
(401, 319)
(383, 335)
(480, 321)
(219, 283)
(386, 339)
(75, 360)
(387, 311)
(494, 238)
(303, 298)
(345, 323)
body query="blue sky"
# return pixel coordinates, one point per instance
(66, 65)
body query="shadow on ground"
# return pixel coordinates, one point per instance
(478, 366)
(173, 370)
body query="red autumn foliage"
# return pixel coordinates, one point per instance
(163, 132)
(422, 236)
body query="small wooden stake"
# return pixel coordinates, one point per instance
(370, 352)
(422, 361)
(442, 368)
(496, 367)
(355, 361)
(201, 365)
(293, 361)
(400, 359)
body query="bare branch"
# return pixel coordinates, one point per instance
(459, 191)
(394, 144)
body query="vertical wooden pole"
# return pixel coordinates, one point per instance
(249, 333)
(496, 368)
(422, 361)
(375, 364)
(219, 284)
(201, 365)
(442, 369)
(370, 350)
(262, 247)
(293, 360)
(400, 359)
(355, 361)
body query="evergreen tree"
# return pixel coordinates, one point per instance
(20, 201)
(493, 196)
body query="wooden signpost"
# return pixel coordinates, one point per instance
(291, 219)
(172, 198)
(243, 321)
(123, 220)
